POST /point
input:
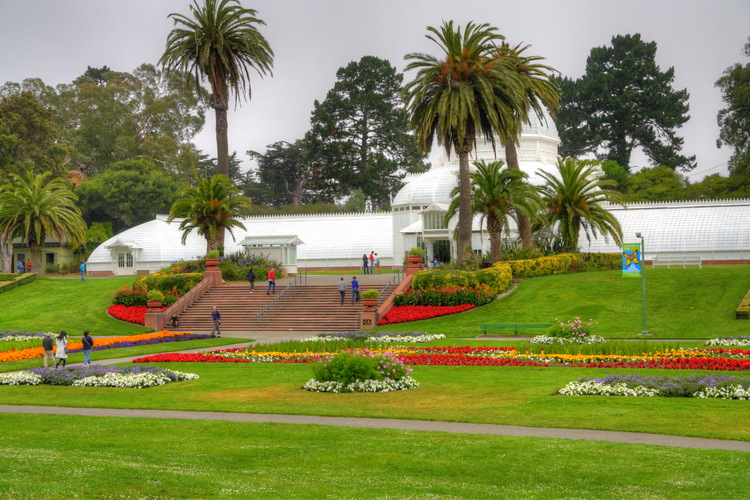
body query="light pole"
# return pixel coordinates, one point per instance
(643, 283)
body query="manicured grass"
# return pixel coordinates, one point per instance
(149, 458)
(54, 304)
(124, 352)
(681, 303)
(498, 395)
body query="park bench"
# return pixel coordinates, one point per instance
(677, 260)
(514, 326)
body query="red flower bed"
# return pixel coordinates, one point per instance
(402, 314)
(131, 314)
(193, 357)
(677, 364)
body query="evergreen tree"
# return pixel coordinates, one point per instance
(359, 136)
(624, 101)
(734, 120)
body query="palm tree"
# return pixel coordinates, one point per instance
(210, 207)
(34, 209)
(574, 201)
(453, 99)
(498, 194)
(221, 44)
(540, 91)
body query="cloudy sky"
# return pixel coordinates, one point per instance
(56, 40)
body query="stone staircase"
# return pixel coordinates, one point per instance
(314, 308)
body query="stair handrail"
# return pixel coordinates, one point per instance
(282, 297)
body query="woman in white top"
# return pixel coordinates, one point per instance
(62, 348)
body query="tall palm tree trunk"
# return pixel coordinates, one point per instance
(6, 251)
(524, 224)
(222, 147)
(464, 205)
(495, 230)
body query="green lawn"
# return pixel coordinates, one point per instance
(496, 395)
(681, 303)
(54, 304)
(49, 456)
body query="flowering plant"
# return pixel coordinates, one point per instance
(370, 336)
(402, 314)
(573, 328)
(360, 371)
(136, 377)
(695, 386)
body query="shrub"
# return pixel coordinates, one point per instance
(212, 254)
(69, 268)
(416, 251)
(52, 269)
(572, 329)
(348, 367)
(445, 296)
(128, 297)
(498, 278)
(370, 294)
(180, 283)
(155, 295)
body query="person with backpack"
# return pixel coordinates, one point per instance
(88, 343)
(251, 279)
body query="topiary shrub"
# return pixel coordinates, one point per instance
(212, 254)
(155, 295)
(370, 294)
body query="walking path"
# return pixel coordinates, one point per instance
(406, 425)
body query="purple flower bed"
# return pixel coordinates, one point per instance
(9, 333)
(684, 386)
(67, 376)
(179, 338)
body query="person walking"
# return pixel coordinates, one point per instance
(342, 290)
(88, 343)
(62, 348)
(251, 279)
(271, 281)
(216, 315)
(365, 262)
(355, 289)
(82, 268)
(377, 264)
(19, 267)
(49, 355)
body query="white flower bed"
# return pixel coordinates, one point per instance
(592, 388)
(20, 338)
(588, 339)
(20, 378)
(385, 338)
(735, 341)
(132, 380)
(732, 392)
(386, 385)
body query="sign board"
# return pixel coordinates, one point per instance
(631, 260)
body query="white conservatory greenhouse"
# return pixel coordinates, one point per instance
(706, 231)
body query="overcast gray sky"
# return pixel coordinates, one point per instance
(56, 40)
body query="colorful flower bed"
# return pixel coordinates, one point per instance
(674, 359)
(131, 314)
(370, 336)
(691, 386)
(136, 377)
(588, 339)
(361, 371)
(19, 335)
(402, 314)
(445, 296)
(107, 343)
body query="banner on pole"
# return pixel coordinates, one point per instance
(631, 260)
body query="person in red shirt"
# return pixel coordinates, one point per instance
(271, 281)
(28, 266)
(372, 262)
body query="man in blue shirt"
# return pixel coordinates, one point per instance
(355, 289)
(216, 315)
(88, 343)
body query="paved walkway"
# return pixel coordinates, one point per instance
(407, 425)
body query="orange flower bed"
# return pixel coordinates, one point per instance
(38, 352)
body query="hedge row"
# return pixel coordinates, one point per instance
(500, 275)
(743, 311)
(165, 282)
